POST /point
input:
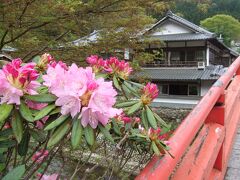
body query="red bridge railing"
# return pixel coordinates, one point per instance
(203, 142)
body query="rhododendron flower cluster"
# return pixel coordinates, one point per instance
(115, 66)
(112, 66)
(97, 63)
(149, 93)
(45, 59)
(16, 80)
(78, 91)
(62, 64)
(126, 119)
(153, 134)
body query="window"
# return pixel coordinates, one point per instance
(163, 89)
(200, 55)
(190, 56)
(178, 89)
(175, 56)
(192, 90)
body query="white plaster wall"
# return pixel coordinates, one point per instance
(205, 86)
(170, 28)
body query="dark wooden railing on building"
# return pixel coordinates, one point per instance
(202, 144)
(172, 64)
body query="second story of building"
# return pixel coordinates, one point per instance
(186, 45)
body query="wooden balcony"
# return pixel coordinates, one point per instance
(162, 63)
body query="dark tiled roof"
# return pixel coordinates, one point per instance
(209, 73)
(181, 37)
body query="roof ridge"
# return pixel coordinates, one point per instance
(177, 18)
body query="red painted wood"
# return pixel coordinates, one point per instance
(200, 158)
(219, 105)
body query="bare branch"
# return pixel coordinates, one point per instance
(2, 39)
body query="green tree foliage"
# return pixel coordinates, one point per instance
(34, 26)
(225, 25)
(193, 10)
(230, 7)
(197, 10)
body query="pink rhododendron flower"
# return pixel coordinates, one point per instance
(45, 59)
(120, 68)
(155, 134)
(56, 80)
(17, 80)
(62, 64)
(40, 123)
(123, 118)
(96, 63)
(77, 89)
(69, 104)
(137, 120)
(48, 177)
(40, 155)
(149, 93)
(100, 105)
(38, 106)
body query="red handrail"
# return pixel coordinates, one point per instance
(210, 113)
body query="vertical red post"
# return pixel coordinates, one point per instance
(217, 115)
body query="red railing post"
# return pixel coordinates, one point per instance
(217, 115)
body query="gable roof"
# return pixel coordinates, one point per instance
(173, 17)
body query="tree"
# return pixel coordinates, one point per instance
(224, 25)
(35, 26)
(193, 10)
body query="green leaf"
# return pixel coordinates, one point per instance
(144, 119)
(15, 173)
(89, 135)
(5, 110)
(44, 112)
(43, 98)
(135, 84)
(17, 126)
(37, 135)
(7, 144)
(116, 83)
(155, 148)
(151, 118)
(56, 122)
(130, 87)
(55, 111)
(126, 90)
(6, 132)
(23, 145)
(126, 104)
(134, 108)
(161, 120)
(26, 112)
(106, 133)
(36, 59)
(77, 132)
(116, 127)
(58, 134)
(101, 75)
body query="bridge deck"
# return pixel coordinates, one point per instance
(233, 170)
